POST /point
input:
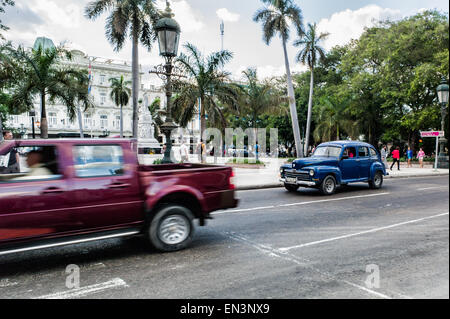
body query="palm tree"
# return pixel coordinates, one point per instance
(128, 17)
(207, 84)
(155, 109)
(42, 73)
(257, 99)
(309, 56)
(120, 94)
(276, 18)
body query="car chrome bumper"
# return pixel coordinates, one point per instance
(301, 183)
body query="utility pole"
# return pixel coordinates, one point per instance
(222, 32)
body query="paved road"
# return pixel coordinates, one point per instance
(359, 243)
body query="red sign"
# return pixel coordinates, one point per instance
(432, 134)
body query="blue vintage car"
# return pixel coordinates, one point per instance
(334, 164)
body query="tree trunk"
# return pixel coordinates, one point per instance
(44, 124)
(80, 121)
(292, 104)
(121, 121)
(135, 93)
(308, 121)
(203, 118)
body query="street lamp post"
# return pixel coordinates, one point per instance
(442, 92)
(33, 114)
(168, 31)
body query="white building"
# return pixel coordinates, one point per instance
(104, 118)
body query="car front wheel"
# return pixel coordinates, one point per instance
(377, 181)
(171, 229)
(328, 186)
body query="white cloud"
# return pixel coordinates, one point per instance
(189, 20)
(268, 71)
(349, 24)
(227, 16)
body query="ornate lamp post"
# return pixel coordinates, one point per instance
(168, 31)
(32, 115)
(442, 92)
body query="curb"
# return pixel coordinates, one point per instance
(278, 185)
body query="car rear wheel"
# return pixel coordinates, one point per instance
(171, 229)
(328, 186)
(291, 188)
(377, 181)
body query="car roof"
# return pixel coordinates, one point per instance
(346, 143)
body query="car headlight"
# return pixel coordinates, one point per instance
(312, 173)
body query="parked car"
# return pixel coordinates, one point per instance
(334, 164)
(85, 190)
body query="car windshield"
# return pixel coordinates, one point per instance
(327, 151)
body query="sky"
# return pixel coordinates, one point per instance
(64, 21)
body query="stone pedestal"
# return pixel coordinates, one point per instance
(443, 161)
(147, 144)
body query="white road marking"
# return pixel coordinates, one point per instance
(273, 252)
(434, 187)
(81, 292)
(298, 203)
(284, 249)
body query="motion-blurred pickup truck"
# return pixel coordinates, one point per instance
(73, 191)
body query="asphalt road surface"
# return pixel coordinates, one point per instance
(358, 243)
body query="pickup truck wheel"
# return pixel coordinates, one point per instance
(171, 229)
(328, 186)
(291, 188)
(377, 181)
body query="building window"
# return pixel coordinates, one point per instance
(117, 122)
(14, 119)
(52, 119)
(102, 79)
(87, 121)
(103, 121)
(102, 98)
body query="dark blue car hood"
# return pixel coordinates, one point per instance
(313, 161)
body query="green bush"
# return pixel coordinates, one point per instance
(244, 161)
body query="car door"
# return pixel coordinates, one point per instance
(349, 164)
(105, 187)
(34, 206)
(364, 162)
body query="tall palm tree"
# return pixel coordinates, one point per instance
(128, 17)
(120, 94)
(276, 18)
(155, 109)
(207, 83)
(257, 99)
(309, 55)
(42, 73)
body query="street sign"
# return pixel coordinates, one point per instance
(432, 134)
(437, 135)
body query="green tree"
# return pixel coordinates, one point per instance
(309, 54)
(3, 4)
(276, 17)
(155, 109)
(257, 99)
(41, 72)
(134, 18)
(208, 84)
(120, 94)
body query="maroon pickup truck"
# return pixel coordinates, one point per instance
(62, 192)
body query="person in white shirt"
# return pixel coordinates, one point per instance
(184, 151)
(37, 168)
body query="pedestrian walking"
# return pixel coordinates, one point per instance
(421, 156)
(184, 152)
(12, 160)
(384, 155)
(409, 156)
(396, 157)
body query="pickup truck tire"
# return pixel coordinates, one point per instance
(291, 188)
(377, 181)
(171, 229)
(328, 186)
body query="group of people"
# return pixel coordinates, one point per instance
(396, 157)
